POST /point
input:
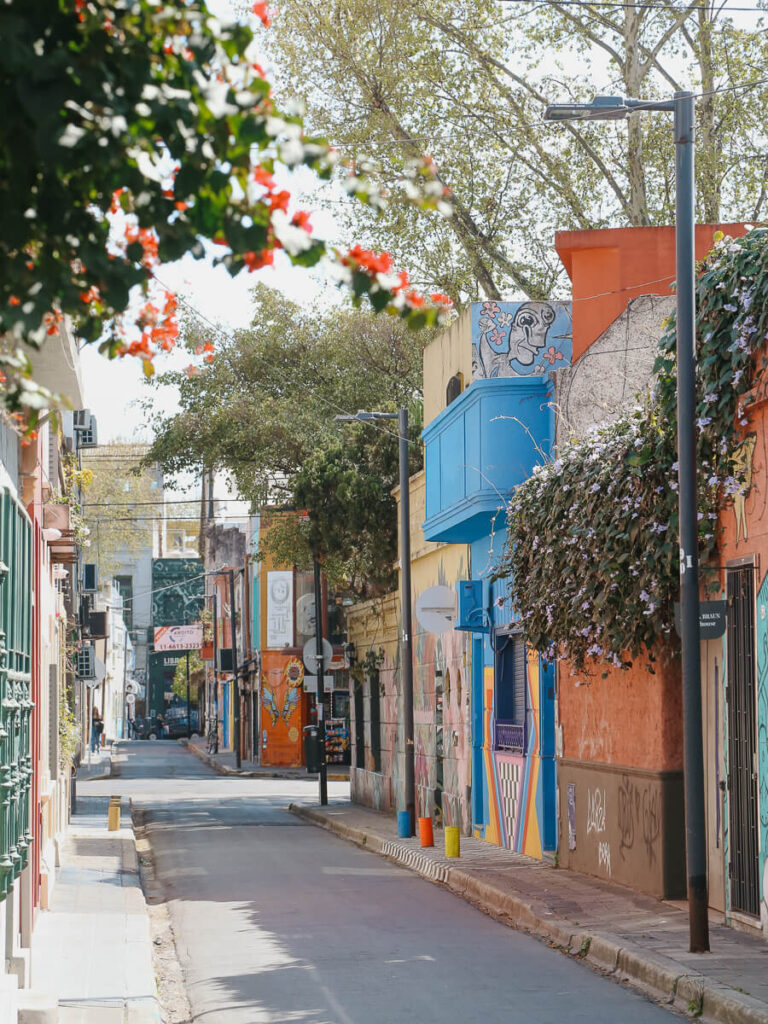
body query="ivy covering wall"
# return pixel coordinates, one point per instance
(592, 546)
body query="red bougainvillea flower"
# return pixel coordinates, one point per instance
(257, 260)
(374, 263)
(441, 299)
(414, 299)
(262, 12)
(262, 177)
(300, 219)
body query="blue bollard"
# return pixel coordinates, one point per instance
(403, 825)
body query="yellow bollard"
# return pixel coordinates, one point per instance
(451, 841)
(113, 815)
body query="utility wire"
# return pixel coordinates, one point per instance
(621, 5)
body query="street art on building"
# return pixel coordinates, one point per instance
(742, 470)
(283, 708)
(519, 339)
(512, 819)
(178, 587)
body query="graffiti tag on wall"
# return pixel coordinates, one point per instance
(595, 810)
(639, 813)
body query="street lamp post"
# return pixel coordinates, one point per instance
(406, 639)
(609, 108)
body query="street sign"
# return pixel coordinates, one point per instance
(309, 654)
(712, 619)
(310, 684)
(179, 638)
(436, 609)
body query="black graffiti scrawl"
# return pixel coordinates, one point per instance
(639, 814)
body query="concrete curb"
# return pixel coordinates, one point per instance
(660, 977)
(224, 769)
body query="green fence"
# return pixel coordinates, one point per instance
(15, 688)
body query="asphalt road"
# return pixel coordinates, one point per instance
(279, 921)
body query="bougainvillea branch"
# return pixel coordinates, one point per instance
(592, 550)
(149, 128)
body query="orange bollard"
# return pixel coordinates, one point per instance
(426, 838)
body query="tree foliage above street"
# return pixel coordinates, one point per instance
(263, 412)
(467, 83)
(119, 504)
(132, 132)
(592, 553)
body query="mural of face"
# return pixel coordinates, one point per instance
(528, 332)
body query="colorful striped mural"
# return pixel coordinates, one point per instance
(515, 802)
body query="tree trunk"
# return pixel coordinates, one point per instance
(709, 152)
(633, 80)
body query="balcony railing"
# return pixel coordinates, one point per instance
(509, 736)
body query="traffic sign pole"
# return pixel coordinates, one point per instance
(320, 659)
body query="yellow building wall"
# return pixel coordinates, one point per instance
(450, 353)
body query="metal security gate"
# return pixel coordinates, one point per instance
(742, 766)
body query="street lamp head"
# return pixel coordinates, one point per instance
(361, 416)
(602, 108)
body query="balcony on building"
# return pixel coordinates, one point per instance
(59, 535)
(478, 449)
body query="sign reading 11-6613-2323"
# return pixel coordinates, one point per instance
(179, 638)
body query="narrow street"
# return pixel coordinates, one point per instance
(276, 920)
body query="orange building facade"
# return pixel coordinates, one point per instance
(620, 738)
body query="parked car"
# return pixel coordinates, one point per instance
(176, 723)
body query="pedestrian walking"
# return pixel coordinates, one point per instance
(97, 728)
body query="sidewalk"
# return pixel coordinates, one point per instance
(92, 951)
(224, 764)
(632, 937)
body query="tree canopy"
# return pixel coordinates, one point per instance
(264, 413)
(467, 83)
(133, 131)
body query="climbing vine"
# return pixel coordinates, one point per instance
(592, 545)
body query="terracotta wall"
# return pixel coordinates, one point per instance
(631, 718)
(609, 267)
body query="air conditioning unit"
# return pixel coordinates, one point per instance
(84, 426)
(86, 662)
(470, 615)
(90, 578)
(97, 625)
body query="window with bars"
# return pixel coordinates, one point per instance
(509, 692)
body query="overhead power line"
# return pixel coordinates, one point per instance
(628, 4)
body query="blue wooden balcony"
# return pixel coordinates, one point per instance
(478, 449)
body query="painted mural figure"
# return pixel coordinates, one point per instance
(507, 338)
(742, 470)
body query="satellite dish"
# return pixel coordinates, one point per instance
(309, 655)
(436, 609)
